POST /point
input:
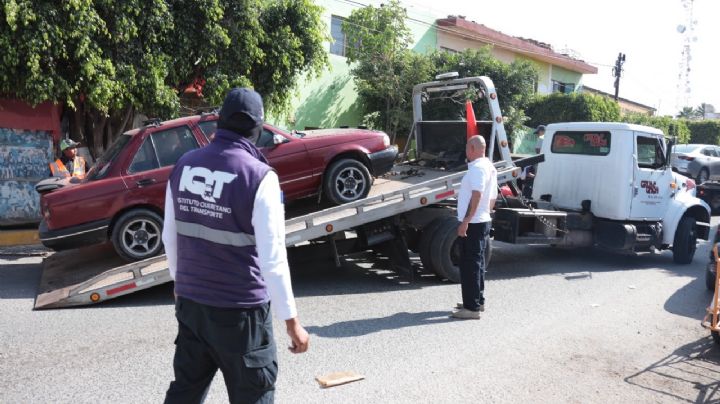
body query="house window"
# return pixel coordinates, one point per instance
(565, 88)
(337, 47)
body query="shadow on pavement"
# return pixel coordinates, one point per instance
(356, 328)
(690, 374)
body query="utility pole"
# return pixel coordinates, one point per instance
(617, 72)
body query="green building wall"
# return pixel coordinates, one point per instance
(331, 99)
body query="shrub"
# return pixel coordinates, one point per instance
(669, 126)
(575, 107)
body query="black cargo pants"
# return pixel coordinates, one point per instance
(239, 342)
(473, 265)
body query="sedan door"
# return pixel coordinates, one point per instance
(148, 173)
(291, 161)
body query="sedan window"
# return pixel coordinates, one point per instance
(208, 128)
(144, 159)
(265, 139)
(172, 144)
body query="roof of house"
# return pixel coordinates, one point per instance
(625, 100)
(529, 47)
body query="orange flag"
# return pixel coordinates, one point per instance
(472, 128)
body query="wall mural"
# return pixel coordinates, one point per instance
(24, 158)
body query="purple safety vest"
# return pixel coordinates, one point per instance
(213, 192)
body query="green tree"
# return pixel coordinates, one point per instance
(106, 59)
(385, 71)
(687, 113)
(574, 107)
(701, 110)
(382, 64)
(670, 127)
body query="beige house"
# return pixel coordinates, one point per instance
(626, 106)
(557, 72)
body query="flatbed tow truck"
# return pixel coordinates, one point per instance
(390, 221)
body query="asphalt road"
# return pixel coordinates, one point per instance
(560, 326)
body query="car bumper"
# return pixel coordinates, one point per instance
(75, 236)
(382, 161)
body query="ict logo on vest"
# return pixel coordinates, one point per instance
(204, 183)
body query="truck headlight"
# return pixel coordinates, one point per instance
(386, 140)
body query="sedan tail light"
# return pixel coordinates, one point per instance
(686, 158)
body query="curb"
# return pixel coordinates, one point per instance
(19, 237)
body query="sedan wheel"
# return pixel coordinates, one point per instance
(347, 180)
(137, 235)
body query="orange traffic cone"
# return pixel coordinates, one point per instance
(472, 128)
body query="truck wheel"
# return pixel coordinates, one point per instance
(347, 180)
(710, 277)
(703, 176)
(685, 241)
(426, 235)
(446, 251)
(137, 235)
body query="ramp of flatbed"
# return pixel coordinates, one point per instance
(69, 278)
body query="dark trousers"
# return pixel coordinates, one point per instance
(472, 265)
(239, 342)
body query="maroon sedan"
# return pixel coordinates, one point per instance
(122, 198)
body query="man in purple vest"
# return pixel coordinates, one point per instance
(224, 237)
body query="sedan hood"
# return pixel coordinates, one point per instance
(340, 133)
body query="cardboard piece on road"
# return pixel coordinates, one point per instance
(338, 378)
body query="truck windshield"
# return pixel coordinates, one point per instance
(581, 142)
(102, 165)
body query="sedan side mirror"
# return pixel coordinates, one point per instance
(278, 139)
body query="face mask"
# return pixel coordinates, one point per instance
(254, 134)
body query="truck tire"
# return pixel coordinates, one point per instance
(446, 251)
(710, 277)
(347, 180)
(137, 235)
(426, 236)
(685, 241)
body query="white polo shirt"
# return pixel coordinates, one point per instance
(481, 176)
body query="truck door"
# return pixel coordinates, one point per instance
(652, 178)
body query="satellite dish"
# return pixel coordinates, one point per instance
(681, 28)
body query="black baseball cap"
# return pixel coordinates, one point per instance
(539, 129)
(238, 102)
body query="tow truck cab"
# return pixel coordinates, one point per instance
(615, 182)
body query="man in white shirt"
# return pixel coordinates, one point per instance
(224, 237)
(476, 199)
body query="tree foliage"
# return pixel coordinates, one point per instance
(105, 59)
(687, 113)
(574, 107)
(705, 131)
(385, 70)
(670, 127)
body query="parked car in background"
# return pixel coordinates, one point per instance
(698, 161)
(122, 198)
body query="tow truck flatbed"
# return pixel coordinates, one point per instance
(391, 210)
(94, 274)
